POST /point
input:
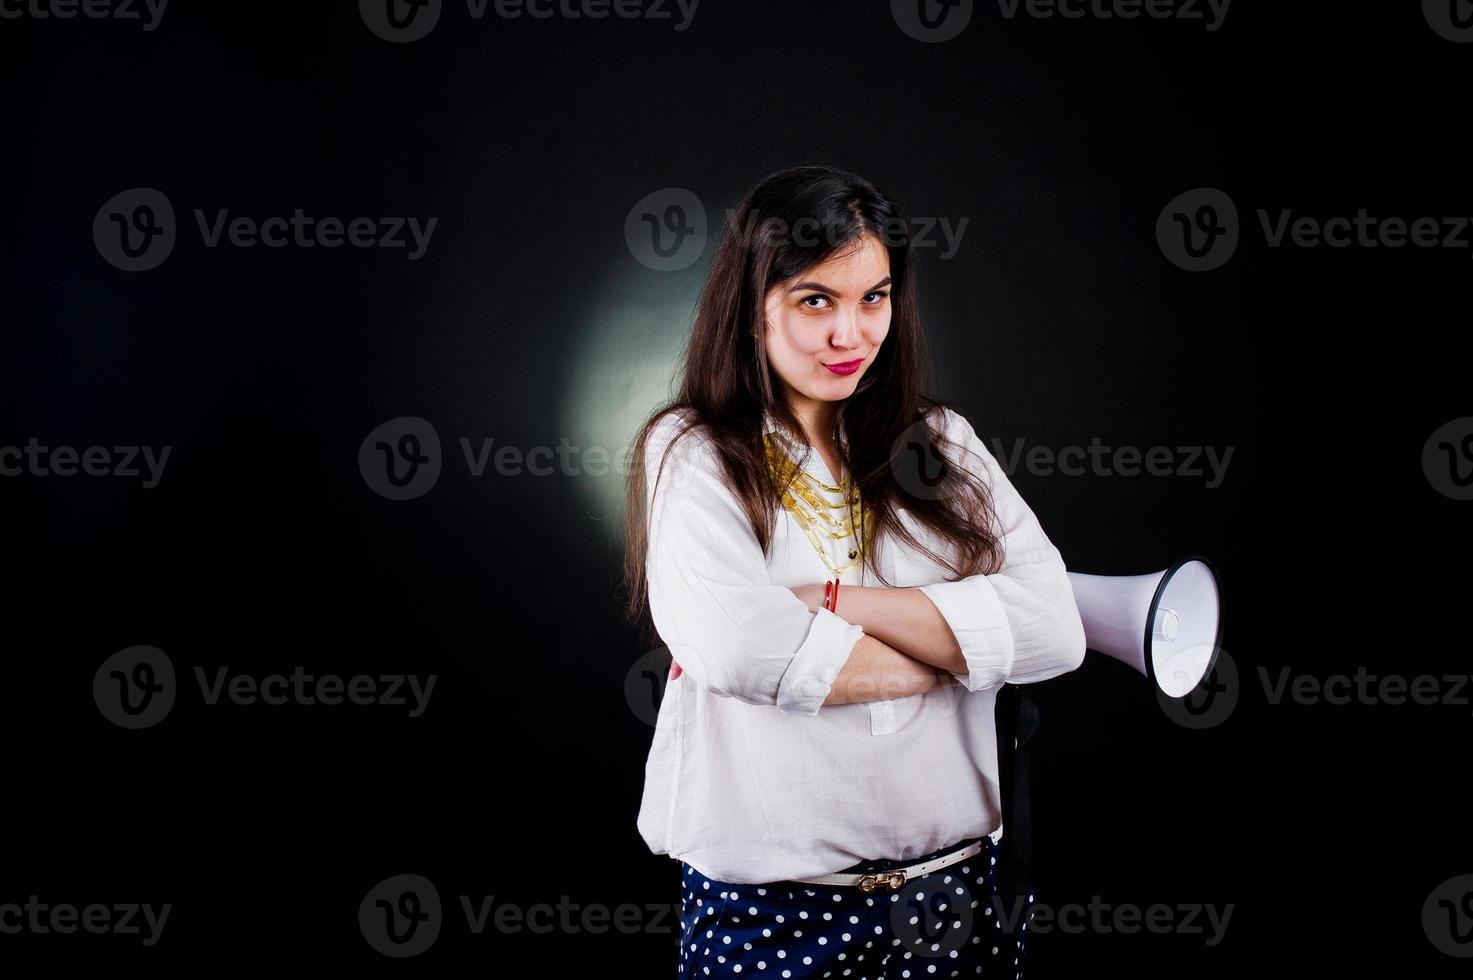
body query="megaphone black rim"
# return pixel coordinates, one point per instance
(1155, 603)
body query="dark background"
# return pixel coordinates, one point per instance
(1059, 320)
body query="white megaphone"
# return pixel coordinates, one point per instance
(1166, 624)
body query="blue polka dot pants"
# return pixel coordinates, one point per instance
(948, 923)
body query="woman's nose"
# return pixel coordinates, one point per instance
(846, 330)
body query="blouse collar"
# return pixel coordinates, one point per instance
(803, 454)
(769, 424)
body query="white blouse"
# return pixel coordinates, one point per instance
(751, 778)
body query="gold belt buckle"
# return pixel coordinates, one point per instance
(894, 879)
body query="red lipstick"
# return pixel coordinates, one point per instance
(845, 367)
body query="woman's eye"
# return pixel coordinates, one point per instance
(818, 301)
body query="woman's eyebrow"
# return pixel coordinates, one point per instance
(820, 287)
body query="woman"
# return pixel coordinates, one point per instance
(825, 763)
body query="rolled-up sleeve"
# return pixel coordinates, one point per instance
(732, 630)
(1020, 624)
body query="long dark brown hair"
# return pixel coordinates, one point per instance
(881, 430)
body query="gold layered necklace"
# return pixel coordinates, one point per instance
(802, 497)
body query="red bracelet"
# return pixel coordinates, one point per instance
(827, 587)
(835, 607)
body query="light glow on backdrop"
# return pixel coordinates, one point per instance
(629, 347)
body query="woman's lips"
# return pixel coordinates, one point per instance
(845, 367)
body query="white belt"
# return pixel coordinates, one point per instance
(869, 881)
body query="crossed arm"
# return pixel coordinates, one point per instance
(745, 637)
(907, 648)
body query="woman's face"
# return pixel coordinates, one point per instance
(834, 314)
